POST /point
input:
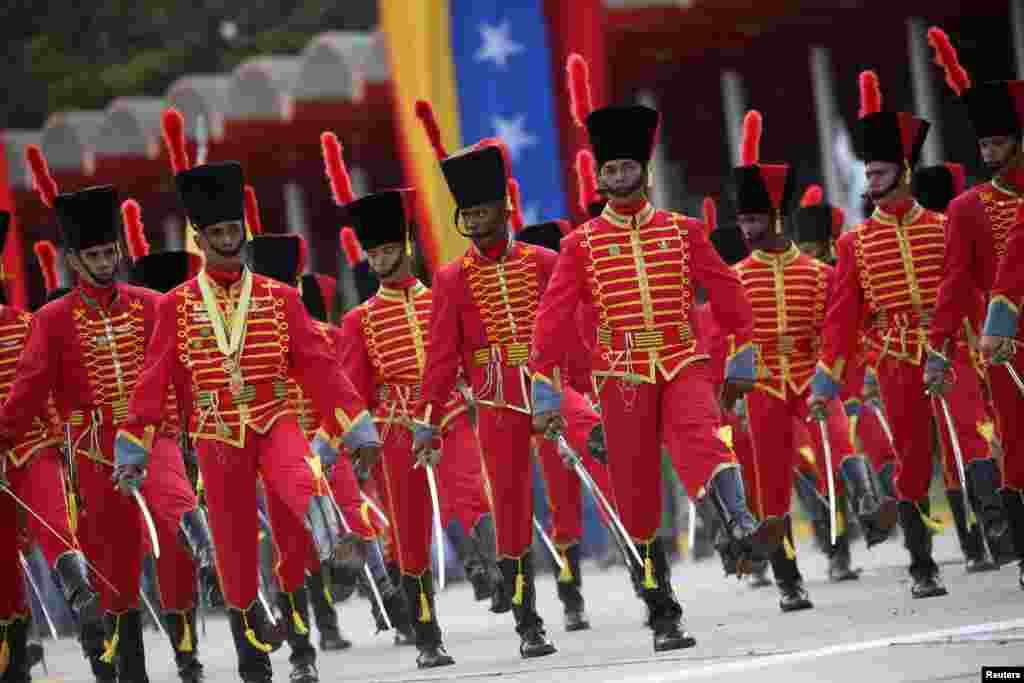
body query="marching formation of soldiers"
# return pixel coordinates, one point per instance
(781, 353)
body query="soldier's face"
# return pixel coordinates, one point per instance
(883, 177)
(485, 224)
(622, 178)
(386, 260)
(997, 151)
(222, 242)
(97, 265)
(816, 250)
(755, 226)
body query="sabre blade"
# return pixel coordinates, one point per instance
(833, 523)
(149, 522)
(39, 595)
(438, 529)
(548, 544)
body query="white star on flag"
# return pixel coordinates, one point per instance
(514, 134)
(498, 46)
(531, 214)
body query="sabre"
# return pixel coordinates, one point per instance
(1016, 378)
(366, 567)
(691, 533)
(152, 612)
(60, 538)
(373, 506)
(831, 480)
(574, 458)
(547, 543)
(39, 595)
(961, 470)
(438, 529)
(149, 522)
(883, 421)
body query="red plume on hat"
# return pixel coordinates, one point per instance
(350, 245)
(813, 196)
(586, 179)
(173, 125)
(959, 177)
(252, 211)
(750, 148)
(710, 214)
(425, 113)
(46, 254)
(44, 183)
(870, 94)
(337, 172)
(517, 206)
(580, 99)
(945, 56)
(134, 232)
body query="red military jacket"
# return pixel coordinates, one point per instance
(788, 293)
(280, 342)
(1008, 288)
(302, 402)
(383, 350)
(44, 430)
(979, 224)
(635, 276)
(887, 282)
(88, 354)
(482, 319)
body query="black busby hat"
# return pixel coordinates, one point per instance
(379, 218)
(281, 257)
(729, 243)
(813, 224)
(547, 235)
(623, 132)
(934, 187)
(165, 270)
(476, 176)
(760, 188)
(5, 226)
(896, 137)
(212, 193)
(318, 294)
(89, 217)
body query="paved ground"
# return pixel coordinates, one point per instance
(865, 631)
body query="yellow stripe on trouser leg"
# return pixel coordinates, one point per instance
(186, 637)
(425, 616)
(933, 525)
(517, 598)
(300, 627)
(250, 635)
(649, 581)
(110, 649)
(566, 574)
(5, 651)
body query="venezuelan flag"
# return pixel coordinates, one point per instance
(485, 66)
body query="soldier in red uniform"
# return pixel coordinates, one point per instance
(481, 318)
(999, 344)
(976, 238)
(789, 292)
(934, 187)
(32, 470)
(228, 341)
(85, 349)
(634, 270)
(887, 281)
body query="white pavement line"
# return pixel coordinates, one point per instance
(830, 651)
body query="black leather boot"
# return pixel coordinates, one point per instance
(472, 561)
(294, 609)
(917, 537)
(126, 646)
(839, 561)
(253, 653)
(331, 639)
(486, 539)
(817, 511)
(1013, 503)
(569, 581)
(748, 539)
(975, 555)
(792, 594)
(877, 514)
(85, 603)
(666, 614)
(419, 591)
(985, 481)
(887, 480)
(181, 629)
(196, 528)
(14, 637)
(518, 579)
(389, 585)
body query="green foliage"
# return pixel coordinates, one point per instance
(68, 56)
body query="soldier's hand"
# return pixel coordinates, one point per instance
(997, 350)
(597, 444)
(426, 440)
(128, 478)
(817, 407)
(366, 456)
(550, 424)
(732, 390)
(937, 379)
(428, 457)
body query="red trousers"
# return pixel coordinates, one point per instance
(564, 487)
(229, 476)
(873, 439)
(681, 414)
(910, 412)
(743, 447)
(39, 484)
(409, 504)
(777, 448)
(460, 475)
(347, 494)
(108, 515)
(1009, 408)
